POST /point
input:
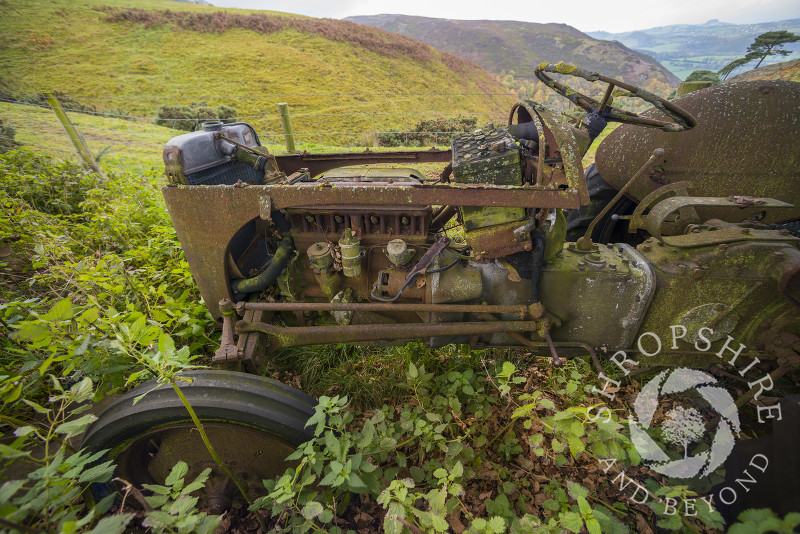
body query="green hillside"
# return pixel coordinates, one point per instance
(512, 50)
(786, 70)
(130, 60)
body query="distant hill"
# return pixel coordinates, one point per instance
(786, 70)
(503, 47)
(683, 48)
(133, 56)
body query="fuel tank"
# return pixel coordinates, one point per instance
(747, 140)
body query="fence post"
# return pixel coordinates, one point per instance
(283, 108)
(72, 132)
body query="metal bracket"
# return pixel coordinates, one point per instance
(657, 220)
(638, 220)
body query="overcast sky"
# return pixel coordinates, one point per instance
(616, 16)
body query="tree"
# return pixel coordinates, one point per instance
(727, 69)
(766, 44)
(703, 76)
(682, 427)
(770, 43)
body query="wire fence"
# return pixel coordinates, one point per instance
(135, 141)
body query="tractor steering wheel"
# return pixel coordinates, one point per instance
(682, 119)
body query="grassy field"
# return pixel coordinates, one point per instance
(134, 65)
(137, 144)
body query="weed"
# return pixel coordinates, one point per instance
(47, 499)
(174, 507)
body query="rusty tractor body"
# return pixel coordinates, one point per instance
(688, 220)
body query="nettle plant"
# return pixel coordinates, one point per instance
(416, 460)
(411, 459)
(48, 498)
(54, 494)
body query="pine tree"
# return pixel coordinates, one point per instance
(770, 43)
(766, 44)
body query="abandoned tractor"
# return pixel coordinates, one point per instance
(690, 218)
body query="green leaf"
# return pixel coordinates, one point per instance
(593, 526)
(455, 489)
(457, 471)
(12, 394)
(367, 434)
(584, 507)
(576, 446)
(37, 407)
(328, 479)
(412, 373)
(208, 525)
(177, 473)
(576, 490)
(8, 489)
(159, 520)
(183, 505)
(392, 525)
(32, 332)
(98, 473)
(82, 391)
(83, 346)
(75, 427)
(156, 488)
(91, 315)
(198, 483)
(312, 509)
(552, 505)
(572, 522)
(388, 444)
(10, 452)
(114, 524)
(439, 523)
(576, 429)
(24, 431)
(61, 311)
(455, 405)
(547, 404)
(497, 524)
(417, 473)
(46, 364)
(331, 443)
(670, 522)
